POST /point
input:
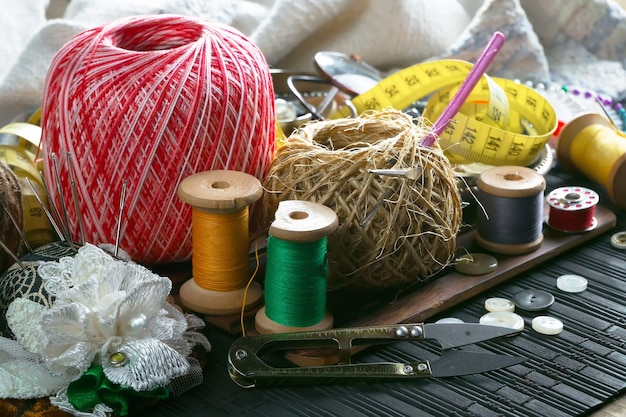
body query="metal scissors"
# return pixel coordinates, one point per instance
(248, 369)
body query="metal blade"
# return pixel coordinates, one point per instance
(451, 335)
(458, 363)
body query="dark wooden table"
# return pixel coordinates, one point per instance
(579, 372)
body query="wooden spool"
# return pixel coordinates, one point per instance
(220, 192)
(299, 221)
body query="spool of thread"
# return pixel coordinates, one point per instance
(220, 218)
(572, 209)
(297, 269)
(591, 145)
(149, 100)
(511, 218)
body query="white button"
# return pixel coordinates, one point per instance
(571, 283)
(449, 320)
(618, 240)
(503, 319)
(547, 325)
(499, 304)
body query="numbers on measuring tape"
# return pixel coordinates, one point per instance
(372, 104)
(452, 67)
(535, 148)
(35, 211)
(531, 102)
(511, 92)
(469, 135)
(445, 95)
(496, 114)
(502, 122)
(392, 91)
(493, 143)
(516, 149)
(432, 72)
(412, 80)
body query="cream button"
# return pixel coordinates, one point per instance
(476, 264)
(449, 320)
(503, 319)
(571, 283)
(618, 240)
(547, 325)
(499, 304)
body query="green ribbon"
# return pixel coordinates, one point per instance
(94, 388)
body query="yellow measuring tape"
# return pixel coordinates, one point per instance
(501, 123)
(19, 143)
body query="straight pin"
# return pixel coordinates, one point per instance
(606, 113)
(16, 225)
(57, 179)
(45, 210)
(388, 172)
(119, 219)
(380, 201)
(79, 218)
(12, 255)
(55, 212)
(408, 173)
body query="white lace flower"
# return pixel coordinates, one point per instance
(108, 312)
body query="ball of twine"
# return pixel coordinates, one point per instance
(150, 100)
(393, 231)
(11, 198)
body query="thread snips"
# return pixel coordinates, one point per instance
(248, 369)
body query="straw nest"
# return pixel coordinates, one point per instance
(393, 231)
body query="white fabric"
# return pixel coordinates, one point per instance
(574, 42)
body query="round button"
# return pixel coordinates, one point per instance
(117, 359)
(571, 283)
(533, 300)
(547, 325)
(476, 264)
(618, 240)
(499, 304)
(503, 319)
(449, 320)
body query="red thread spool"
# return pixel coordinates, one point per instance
(151, 100)
(572, 209)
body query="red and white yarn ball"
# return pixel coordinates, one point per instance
(150, 100)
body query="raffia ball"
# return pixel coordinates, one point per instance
(11, 196)
(393, 231)
(148, 101)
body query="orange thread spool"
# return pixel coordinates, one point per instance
(590, 144)
(220, 203)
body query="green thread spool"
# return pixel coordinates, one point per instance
(295, 284)
(296, 271)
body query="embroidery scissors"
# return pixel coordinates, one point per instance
(248, 369)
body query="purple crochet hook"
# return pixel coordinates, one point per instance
(477, 71)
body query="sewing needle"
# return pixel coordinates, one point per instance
(477, 71)
(119, 219)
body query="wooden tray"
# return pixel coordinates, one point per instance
(444, 291)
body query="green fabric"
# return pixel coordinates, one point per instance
(95, 388)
